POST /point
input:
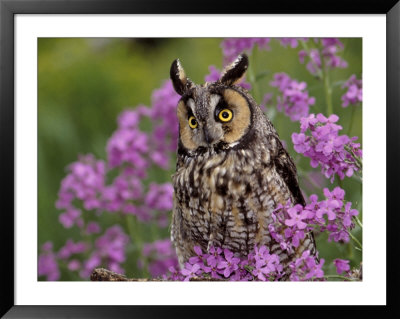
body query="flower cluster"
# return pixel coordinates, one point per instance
(109, 250)
(306, 268)
(164, 136)
(294, 101)
(84, 182)
(130, 153)
(259, 265)
(329, 47)
(232, 47)
(337, 154)
(160, 256)
(222, 264)
(70, 248)
(331, 215)
(47, 263)
(129, 145)
(292, 42)
(289, 227)
(354, 91)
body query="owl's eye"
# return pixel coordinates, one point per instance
(225, 115)
(192, 122)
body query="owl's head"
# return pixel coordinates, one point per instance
(217, 114)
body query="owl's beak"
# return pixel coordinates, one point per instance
(207, 136)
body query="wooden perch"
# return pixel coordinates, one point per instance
(102, 274)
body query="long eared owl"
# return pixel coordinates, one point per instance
(232, 170)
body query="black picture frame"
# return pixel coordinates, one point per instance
(8, 10)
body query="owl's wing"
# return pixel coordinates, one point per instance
(287, 170)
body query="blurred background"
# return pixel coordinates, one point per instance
(84, 84)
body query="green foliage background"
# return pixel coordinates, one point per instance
(83, 84)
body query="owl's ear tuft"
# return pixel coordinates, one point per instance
(179, 80)
(234, 72)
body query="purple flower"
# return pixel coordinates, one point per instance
(341, 265)
(174, 274)
(329, 47)
(297, 216)
(306, 268)
(300, 142)
(74, 265)
(336, 154)
(47, 263)
(232, 47)
(294, 101)
(265, 266)
(159, 197)
(109, 251)
(215, 256)
(190, 271)
(128, 145)
(93, 228)
(70, 218)
(125, 190)
(214, 74)
(129, 119)
(354, 91)
(292, 42)
(84, 182)
(229, 265)
(165, 124)
(290, 223)
(70, 248)
(160, 257)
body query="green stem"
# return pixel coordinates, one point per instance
(358, 222)
(137, 241)
(327, 88)
(351, 119)
(339, 277)
(356, 240)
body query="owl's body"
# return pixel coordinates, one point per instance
(232, 170)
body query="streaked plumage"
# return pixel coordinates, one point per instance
(230, 174)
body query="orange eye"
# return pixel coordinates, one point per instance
(225, 115)
(192, 122)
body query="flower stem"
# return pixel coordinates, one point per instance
(134, 233)
(351, 119)
(358, 222)
(327, 87)
(339, 277)
(356, 158)
(356, 240)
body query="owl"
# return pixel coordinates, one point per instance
(232, 170)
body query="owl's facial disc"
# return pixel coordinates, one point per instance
(209, 119)
(209, 131)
